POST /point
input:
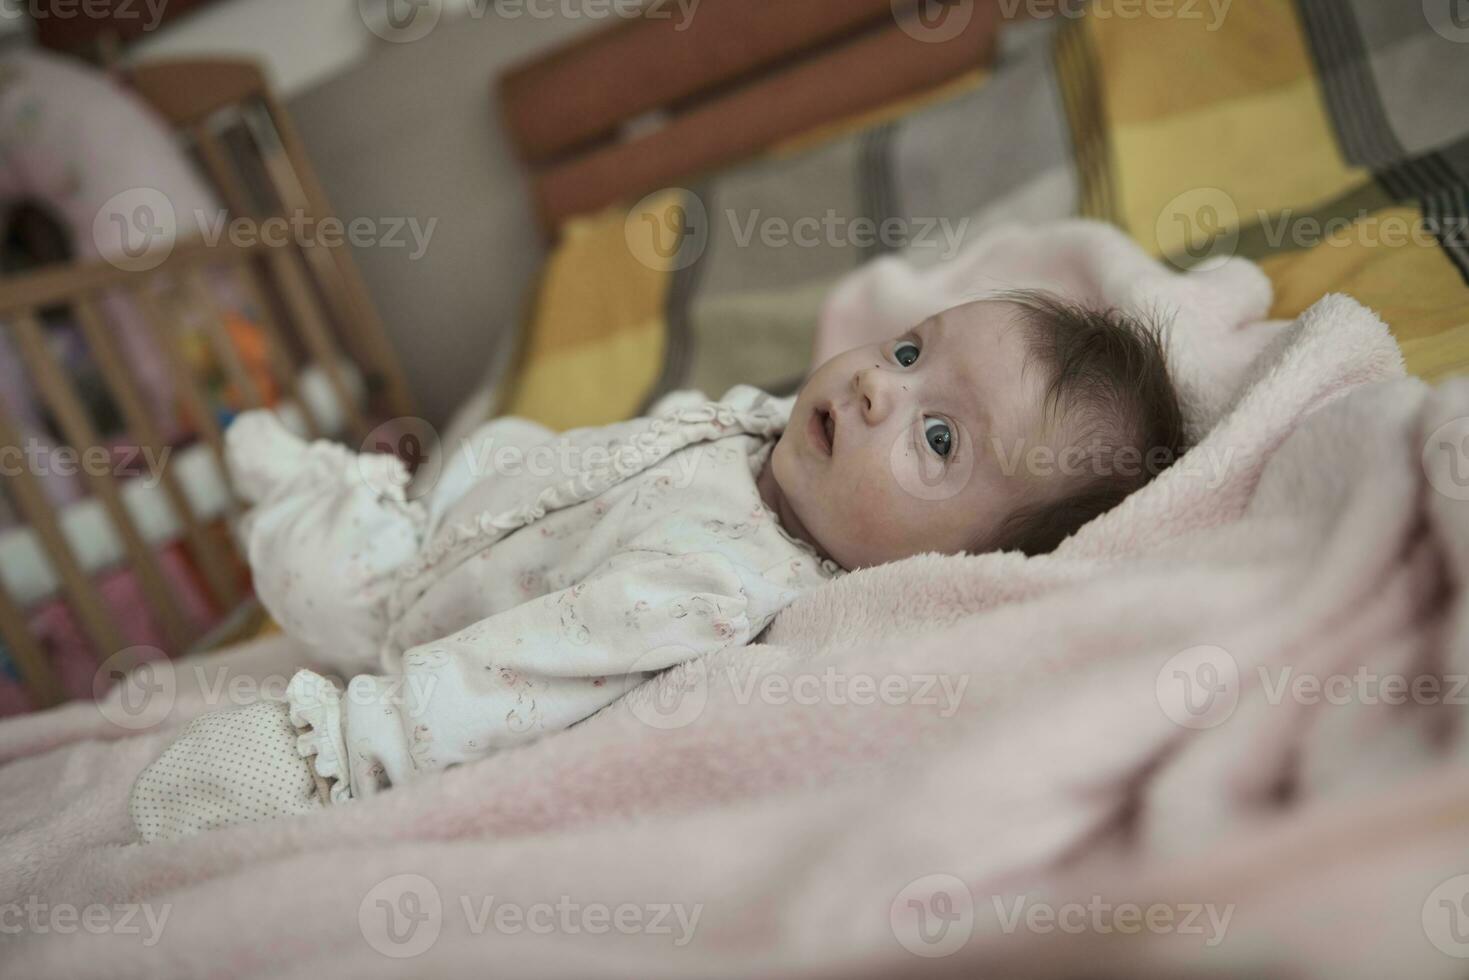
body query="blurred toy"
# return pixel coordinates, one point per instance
(248, 339)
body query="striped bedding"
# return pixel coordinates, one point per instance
(1326, 139)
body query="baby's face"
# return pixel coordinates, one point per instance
(916, 444)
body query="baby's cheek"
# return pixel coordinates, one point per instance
(880, 512)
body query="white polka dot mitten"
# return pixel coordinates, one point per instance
(226, 767)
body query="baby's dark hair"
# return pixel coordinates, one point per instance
(1110, 391)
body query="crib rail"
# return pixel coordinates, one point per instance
(309, 309)
(78, 291)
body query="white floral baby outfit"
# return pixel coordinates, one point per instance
(539, 580)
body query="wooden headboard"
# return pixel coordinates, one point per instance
(658, 99)
(107, 23)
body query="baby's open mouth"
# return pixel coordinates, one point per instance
(822, 429)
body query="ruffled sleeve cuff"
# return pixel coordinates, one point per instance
(316, 712)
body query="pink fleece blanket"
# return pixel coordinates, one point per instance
(1219, 732)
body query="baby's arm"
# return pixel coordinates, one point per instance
(533, 669)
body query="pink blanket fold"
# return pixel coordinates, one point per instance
(969, 766)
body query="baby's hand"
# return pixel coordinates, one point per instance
(226, 767)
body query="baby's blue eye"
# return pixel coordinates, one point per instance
(938, 435)
(906, 353)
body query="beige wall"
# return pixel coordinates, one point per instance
(403, 131)
(412, 132)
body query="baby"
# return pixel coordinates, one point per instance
(515, 600)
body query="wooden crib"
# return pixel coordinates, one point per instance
(328, 363)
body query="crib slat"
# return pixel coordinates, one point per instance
(78, 430)
(284, 156)
(318, 263)
(224, 344)
(57, 284)
(283, 369)
(36, 672)
(296, 289)
(227, 177)
(217, 162)
(78, 587)
(211, 560)
(166, 331)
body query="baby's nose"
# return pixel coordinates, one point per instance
(873, 393)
